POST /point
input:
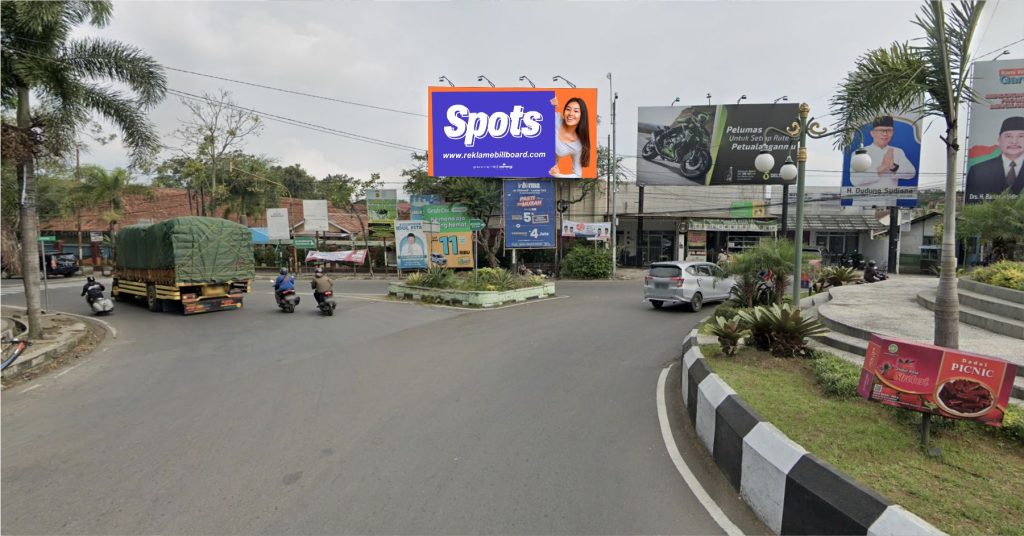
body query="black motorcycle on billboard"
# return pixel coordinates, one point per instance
(687, 144)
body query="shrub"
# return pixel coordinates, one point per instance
(837, 377)
(837, 276)
(438, 277)
(1013, 424)
(1008, 274)
(725, 311)
(415, 280)
(729, 333)
(584, 261)
(759, 325)
(789, 330)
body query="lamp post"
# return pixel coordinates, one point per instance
(674, 102)
(527, 78)
(800, 130)
(558, 77)
(708, 96)
(742, 98)
(483, 78)
(445, 79)
(784, 98)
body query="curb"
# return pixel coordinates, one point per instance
(52, 349)
(790, 490)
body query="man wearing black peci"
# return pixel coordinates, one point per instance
(992, 177)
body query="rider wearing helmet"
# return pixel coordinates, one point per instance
(282, 283)
(92, 289)
(321, 284)
(871, 273)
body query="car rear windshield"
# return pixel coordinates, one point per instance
(665, 271)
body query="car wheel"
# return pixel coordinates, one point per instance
(657, 304)
(696, 302)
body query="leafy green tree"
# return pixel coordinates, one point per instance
(999, 221)
(298, 181)
(72, 79)
(930, 77)
(109, 189)
(246, 190)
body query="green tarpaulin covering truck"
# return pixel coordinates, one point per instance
(203, 264)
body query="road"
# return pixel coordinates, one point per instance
(388, 418)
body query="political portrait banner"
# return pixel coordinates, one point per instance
(417, 202)
(893, 141)
(314, 213)
(588, 230)
(512, 132)
(995, 142)
(529, 208)
(277, 224)
(711, 145)
(413, 245)
(382, 206)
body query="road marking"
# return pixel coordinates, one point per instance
(677, 458)
(27, 389)
(66, 371)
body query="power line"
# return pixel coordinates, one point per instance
(1000, 49)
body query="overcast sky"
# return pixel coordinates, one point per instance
(386, 54)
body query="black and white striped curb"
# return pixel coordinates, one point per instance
(791, 490)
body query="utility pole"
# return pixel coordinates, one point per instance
(614, 176)
(640, 225)
(894, 239)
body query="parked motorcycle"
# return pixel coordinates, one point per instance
(687, 145)
(287, 300)
(327, 304)
(100, 305)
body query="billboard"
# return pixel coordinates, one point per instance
(314, 212)
(451, 243)
(588, 230)
(995, 141)
(382, 206)
(529, 208)
(277, 224)
(710, 145)
(512, 132)
(894, 144)
(416, 203)
(413, 246)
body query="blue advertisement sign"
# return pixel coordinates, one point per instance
(413, 246)
(512, 132)
(894, 145)
(417, 202)
(529, 214)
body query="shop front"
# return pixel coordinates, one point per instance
(702, 238)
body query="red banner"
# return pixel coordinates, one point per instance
(931, 379)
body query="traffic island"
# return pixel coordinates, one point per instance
(469, 298)
(64, 337)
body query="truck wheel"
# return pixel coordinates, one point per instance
(152, 302)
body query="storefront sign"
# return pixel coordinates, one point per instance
(723, 224)
(931, 379)
(529, 214)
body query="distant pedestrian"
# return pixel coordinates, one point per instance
(723, 257)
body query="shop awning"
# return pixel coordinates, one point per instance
(836, 222)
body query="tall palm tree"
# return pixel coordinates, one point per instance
(932, 78)
(70, 77)
(109, 188)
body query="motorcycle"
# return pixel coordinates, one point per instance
(327, 304)
(686, 145)
(101, 305)
(287, 300)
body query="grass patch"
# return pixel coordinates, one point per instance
(976, 488)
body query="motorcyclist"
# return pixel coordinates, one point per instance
(872, 274)
(321, 284)
(282, 283)
(92, 290)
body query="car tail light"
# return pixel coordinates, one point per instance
(678, 281)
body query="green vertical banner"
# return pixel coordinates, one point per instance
(382, 206)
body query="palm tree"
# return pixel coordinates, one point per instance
(931, 78)
(109, 188)
(70, 77)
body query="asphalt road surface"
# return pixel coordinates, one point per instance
(387, 418)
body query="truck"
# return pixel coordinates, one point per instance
(203, 264)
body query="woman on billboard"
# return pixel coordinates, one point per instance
(572, 137)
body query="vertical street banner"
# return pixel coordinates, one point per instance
(512, 132)
(382, 206)
(995, 141)
(314, 212)
(529, 208)
(413, 245)
(711, 145)
(893, 141)
(277, 224)
(451, 241)
(417, 202)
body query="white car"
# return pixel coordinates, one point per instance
(692, 283)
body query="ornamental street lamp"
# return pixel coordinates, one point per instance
(558, 77)
(800, 130)
(674, 102)
(527, 78)
(483, 78)
(445, 79)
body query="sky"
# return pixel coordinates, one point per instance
(385, 55)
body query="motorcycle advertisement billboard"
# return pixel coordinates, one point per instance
(995, 141)
(512, 132)
(712, 145)
(529, 214)
(412, 245)
(894, 144)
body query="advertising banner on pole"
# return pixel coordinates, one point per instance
(382, 206)
(894, 144)
(417, 202)
(711, 145)
(314, 212)
(995, 142)
(413, 245)
(512, 132)
(529, 208)
(277, 224)
(354, 256)
(451, 238)
(588, 230)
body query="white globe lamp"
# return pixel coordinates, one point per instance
(788, 171)
(764, 161)
(861, 161)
